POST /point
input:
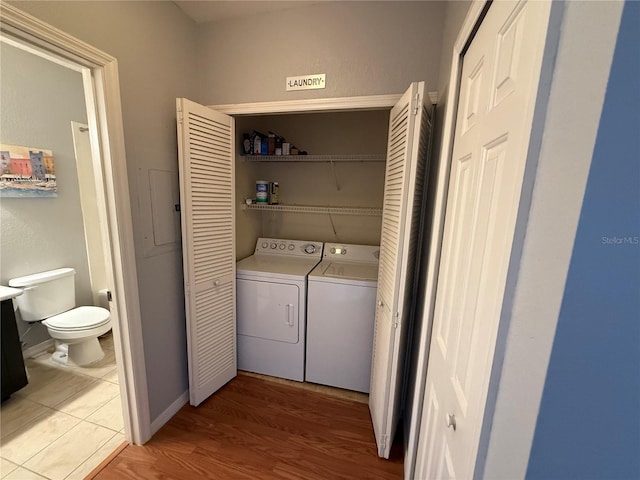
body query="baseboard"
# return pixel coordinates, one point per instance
(38, 349)
(165, 416)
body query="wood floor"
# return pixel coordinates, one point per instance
(258, 429)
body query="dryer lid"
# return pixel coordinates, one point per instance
(80, 318)
(276, 265)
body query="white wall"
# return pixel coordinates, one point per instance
(155, 46)
(39, 100)
(365, 48)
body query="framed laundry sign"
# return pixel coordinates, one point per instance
(27, 172)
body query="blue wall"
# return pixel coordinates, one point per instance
(589, 421)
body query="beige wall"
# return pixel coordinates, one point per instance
(365, 48)
(360, 184)
(155, 46)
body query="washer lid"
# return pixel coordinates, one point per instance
(80, 318)
(353, 273)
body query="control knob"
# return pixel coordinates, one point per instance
(291, 246)
(282, 246)
(309, 248)
(274, 246)
(265, 245)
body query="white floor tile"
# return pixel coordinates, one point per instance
(23, 444)
(87, 401)
(94, 460)
(60, 386)
(111, 376)
(109, 416)
(72, 449)
(6, 467)
(17, 412)
(24, 474)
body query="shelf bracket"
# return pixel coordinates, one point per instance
(335, 176)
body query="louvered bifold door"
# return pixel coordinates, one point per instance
(205, 146)
(409, 127)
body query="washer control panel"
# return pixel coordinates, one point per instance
(294, 248)
(353, 253)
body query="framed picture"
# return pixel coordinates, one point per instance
(27, 172)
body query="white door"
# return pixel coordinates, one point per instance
(205, 152)
(409, 130)
(496, 102)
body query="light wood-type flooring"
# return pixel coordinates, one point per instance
(258, 429)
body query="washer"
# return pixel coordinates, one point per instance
(271, 306)
(341, 316)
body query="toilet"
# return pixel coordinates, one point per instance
(50, 298)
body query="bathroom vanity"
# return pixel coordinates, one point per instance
(14, 376)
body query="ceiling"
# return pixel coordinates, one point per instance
(214, 10)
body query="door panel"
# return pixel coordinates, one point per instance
(495, 111)
(206, 170)
(268, 310)
(409, 131)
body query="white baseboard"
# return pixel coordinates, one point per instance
(165, 416)
(38, 349)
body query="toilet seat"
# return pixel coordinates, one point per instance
(78, 319)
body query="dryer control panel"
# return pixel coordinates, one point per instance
(292, 248)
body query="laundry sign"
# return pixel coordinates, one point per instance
(306, 82)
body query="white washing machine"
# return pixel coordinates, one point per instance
(341, 304)
(271, 306)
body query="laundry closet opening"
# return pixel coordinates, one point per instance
(359, 185)
(344, 168)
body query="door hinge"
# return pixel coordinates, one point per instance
(416, 104)
(396, 320)
(187, 288)
(109, 296)
(180, 117)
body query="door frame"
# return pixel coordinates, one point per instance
(100, 76)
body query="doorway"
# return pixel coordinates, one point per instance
(100, 80)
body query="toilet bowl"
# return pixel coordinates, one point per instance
(49, 298)
(77, 332)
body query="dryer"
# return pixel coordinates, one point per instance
(271, 306)
(341, 316)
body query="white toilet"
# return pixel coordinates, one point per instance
(50, 297)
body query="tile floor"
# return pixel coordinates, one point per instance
(64, 422)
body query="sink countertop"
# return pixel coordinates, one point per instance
(7, 293)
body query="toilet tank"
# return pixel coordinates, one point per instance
(46, 293)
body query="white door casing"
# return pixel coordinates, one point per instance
(409, 130)
(207, 191)
(102, 94)
(499, 81)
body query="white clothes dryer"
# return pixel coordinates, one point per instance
(341, 308)
(271, 306)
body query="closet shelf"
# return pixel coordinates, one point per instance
(315, 158)
(362, 211)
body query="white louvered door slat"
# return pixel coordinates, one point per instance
(409, 131)
(205, 147)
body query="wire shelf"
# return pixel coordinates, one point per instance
(361, 211)
(315, 158)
